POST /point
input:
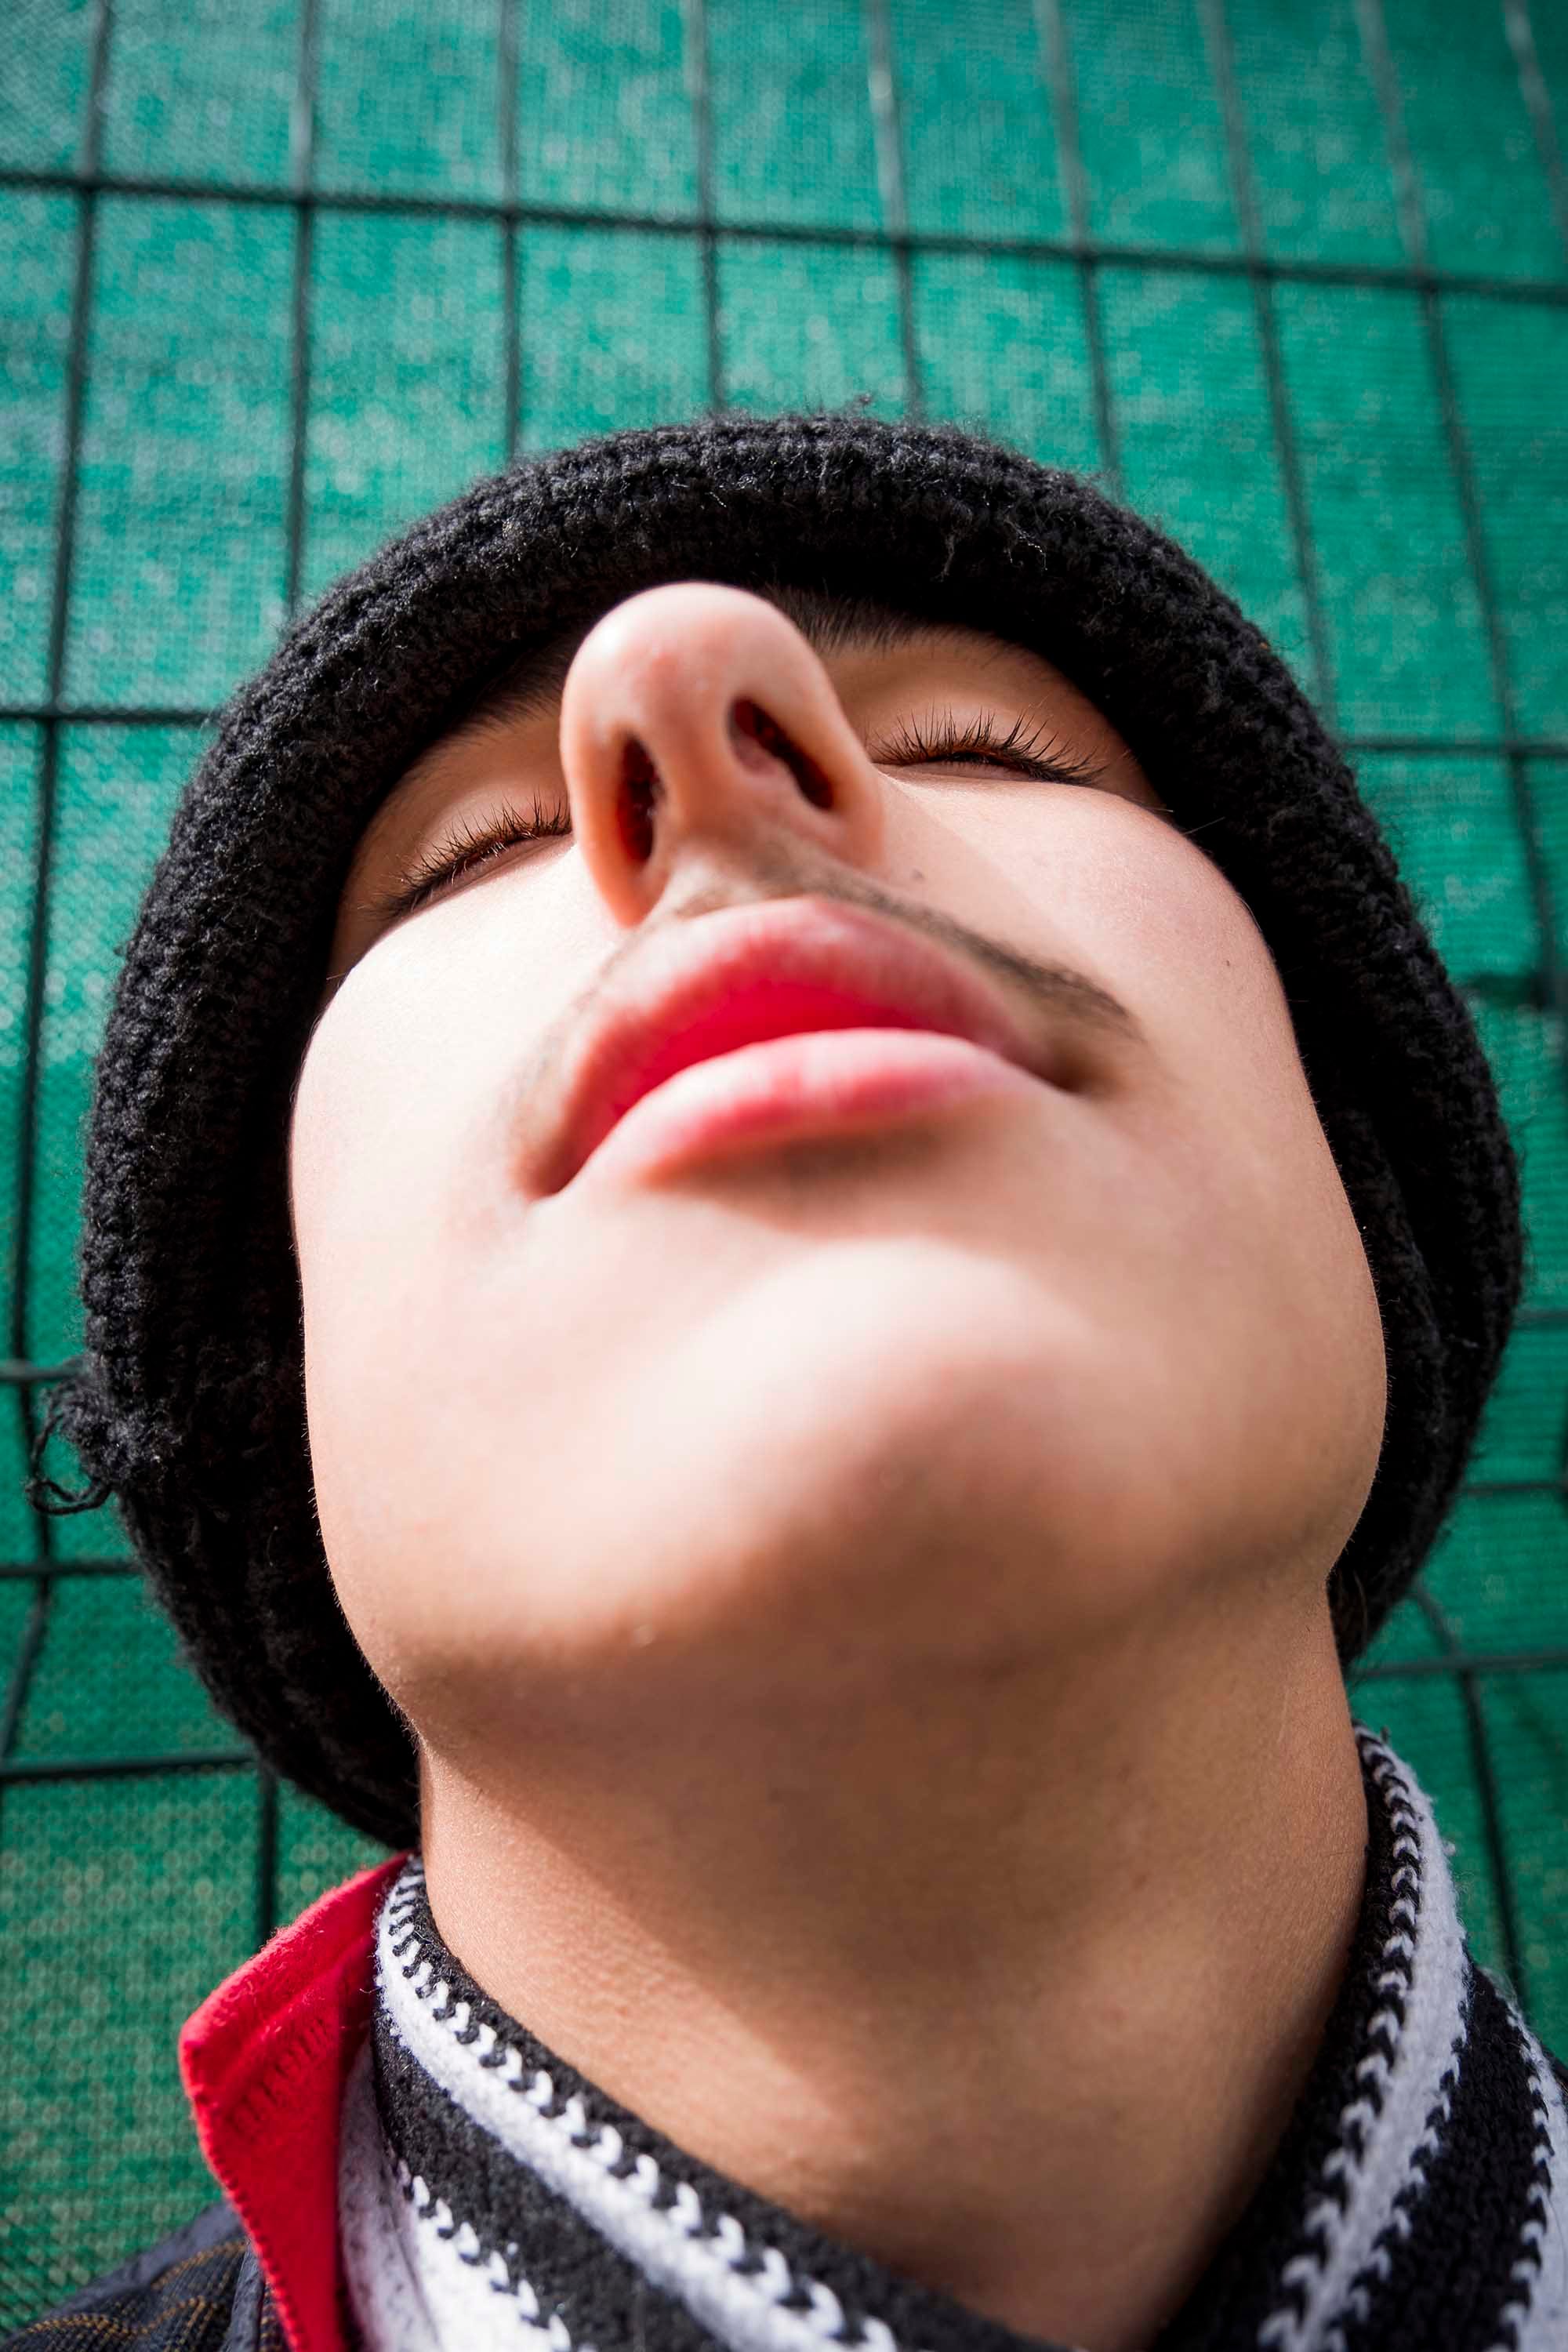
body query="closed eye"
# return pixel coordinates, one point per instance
(460, 852)
(939, 739)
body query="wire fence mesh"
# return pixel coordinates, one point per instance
(1290, 275)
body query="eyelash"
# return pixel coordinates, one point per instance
(1030, 751)
(464, 846)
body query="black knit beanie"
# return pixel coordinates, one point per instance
(189, 1405)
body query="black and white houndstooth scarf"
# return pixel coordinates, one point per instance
(1418, 2202)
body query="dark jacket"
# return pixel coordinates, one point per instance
(200, 2290)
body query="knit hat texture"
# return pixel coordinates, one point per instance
(189, 1402)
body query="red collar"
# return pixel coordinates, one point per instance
(266, 2059)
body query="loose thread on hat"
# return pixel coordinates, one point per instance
(46, 1493)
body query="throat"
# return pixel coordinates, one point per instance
(486, 2181)
(1039, 2085)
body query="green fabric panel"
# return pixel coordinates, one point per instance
(115, 797)
(793, 135)
(121, 1899)
(1314, 133)
(809, 325)
(37, 243)
(1455, 830)
(85, 1535)
(979, 148)
(1525, 1716)
(614, 331)
(1510, 362)
(17, 1596)
(20, 753)
(1407, 1637)
(1522, 1434)
(1197, 443)
(1483, 192)
(1003, 348)
(405, 97)
(1497, 1571)
(184, 451)
(43, 82)
(1151, 126)
(1528, 1052)
(1547, 784)
(1403, 617)
(315, 1851)
(1549, 31)
(604, 118)
(17, 1533)
(199, 89)
(407, 376)
(109, 1681)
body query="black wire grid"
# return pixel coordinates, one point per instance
(1525, 758)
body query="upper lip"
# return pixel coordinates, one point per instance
(713, 983)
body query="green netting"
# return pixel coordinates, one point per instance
(1291, 274)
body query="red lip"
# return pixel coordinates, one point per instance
(748, 975)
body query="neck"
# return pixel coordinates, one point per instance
(1013, 1986)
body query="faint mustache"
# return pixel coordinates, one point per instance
(1050, 988)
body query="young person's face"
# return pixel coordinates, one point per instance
(827, 1355)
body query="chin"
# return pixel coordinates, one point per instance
(706, 1468)
(840, 1544)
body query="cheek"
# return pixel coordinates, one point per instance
(1236, 1173)
(373, 1107)
(399, 1185)
(385, 1072)
(1216, 1011)
(420, 1049)
(1113, 890)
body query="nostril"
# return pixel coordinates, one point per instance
(634, 802)
(748, 724)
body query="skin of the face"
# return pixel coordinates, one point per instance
(996, 1379)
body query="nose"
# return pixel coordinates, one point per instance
(696, 722)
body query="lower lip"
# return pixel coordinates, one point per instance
(822, 1084)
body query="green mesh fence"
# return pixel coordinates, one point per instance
(1291, 274)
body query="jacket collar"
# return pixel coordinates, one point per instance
(1418, 2202)
(265, 2061)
